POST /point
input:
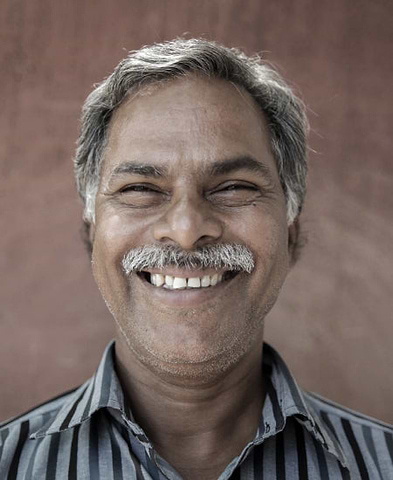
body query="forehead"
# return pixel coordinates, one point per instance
(187, 122)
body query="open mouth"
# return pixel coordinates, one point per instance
(171, 282)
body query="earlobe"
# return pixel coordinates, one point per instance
(88, 232)
(91, 231)
(293, 241)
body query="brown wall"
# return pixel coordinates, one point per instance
(333, 322)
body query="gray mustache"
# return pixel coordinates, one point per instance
(233, 257)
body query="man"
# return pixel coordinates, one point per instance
(191, 163)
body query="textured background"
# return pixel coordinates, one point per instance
(333, 322)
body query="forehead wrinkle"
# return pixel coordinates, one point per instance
(204, 122)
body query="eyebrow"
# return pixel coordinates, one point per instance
(219, 167)
(142, 169)
(222, 167)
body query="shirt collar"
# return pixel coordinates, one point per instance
(103, 390)
(283, 399)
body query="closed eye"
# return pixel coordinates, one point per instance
(238, 186)
(231, 188)
(234, 194)
(141, 195)
(138, 188)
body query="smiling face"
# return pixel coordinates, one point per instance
(189, 165)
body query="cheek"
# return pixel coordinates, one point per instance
(115, 234)
(111, 242)
(270, 243)
(266, 233)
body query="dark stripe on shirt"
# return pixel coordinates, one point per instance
(72, 411)
(280, 457)
(106, 381)
(323, 469)
(389, 444)
(278, 416)
(73, 467)
(258, 462)
(328, 423)
(86, 411)
(355, 447)
(3, 437)
(23, 433)
(93, 447)
(301, 452)
(52, 457)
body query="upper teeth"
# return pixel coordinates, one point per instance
(169, 281)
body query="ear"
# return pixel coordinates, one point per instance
(293, 241)
(88, 231)
(92, 231)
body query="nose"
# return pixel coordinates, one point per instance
(188, 223)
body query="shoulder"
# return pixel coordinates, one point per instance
(335, 411)
(15, 433)
(35, 415)
(367, 443)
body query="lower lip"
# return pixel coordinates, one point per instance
(186, 297)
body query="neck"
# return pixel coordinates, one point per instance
(182, 418)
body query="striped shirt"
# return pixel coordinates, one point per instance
(90, 433)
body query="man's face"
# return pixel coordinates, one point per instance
(189, 164)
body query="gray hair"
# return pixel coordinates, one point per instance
(232, 257)
(284, 112)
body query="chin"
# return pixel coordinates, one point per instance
(196, 364)
(191, 372)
